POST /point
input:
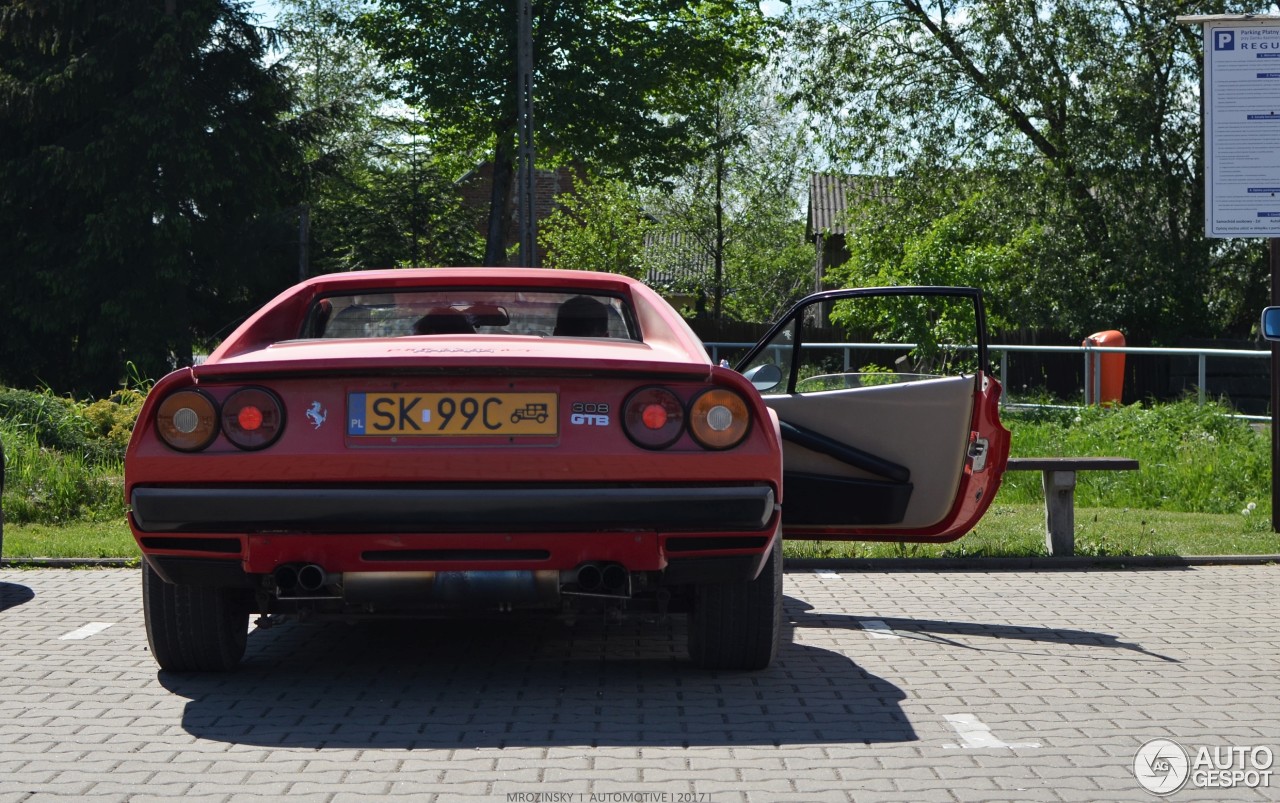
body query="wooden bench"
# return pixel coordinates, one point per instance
(1060, 492)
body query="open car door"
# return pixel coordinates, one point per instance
(888, 412)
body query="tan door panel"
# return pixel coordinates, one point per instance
(923, 425)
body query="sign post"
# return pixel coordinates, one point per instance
(1240, 104)
(525, 177)
(1273, 257)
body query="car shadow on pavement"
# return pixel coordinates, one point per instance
(971, 635)
(12, 595)
(512, 683)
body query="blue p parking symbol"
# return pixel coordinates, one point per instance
(1224, 40)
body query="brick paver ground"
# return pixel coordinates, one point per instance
(890, 686)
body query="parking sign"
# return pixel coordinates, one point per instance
(1242, 126)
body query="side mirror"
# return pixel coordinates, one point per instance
(1271, 323)
(764, 377)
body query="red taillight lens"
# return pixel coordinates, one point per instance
(653, 417)
(249, 418)
(187, 420)
(719, 419)
(252, 418)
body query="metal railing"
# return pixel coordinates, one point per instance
(1092, 356)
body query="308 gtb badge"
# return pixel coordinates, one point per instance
(589, 414)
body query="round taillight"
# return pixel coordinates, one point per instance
(187, 420)
(719, 419)
(653, 417)
(249, 418)
(252, 418)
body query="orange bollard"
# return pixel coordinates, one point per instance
(1107, 376)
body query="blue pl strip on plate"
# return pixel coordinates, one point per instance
(355, 414)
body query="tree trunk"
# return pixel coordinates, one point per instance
(718, 309)
(495, 249)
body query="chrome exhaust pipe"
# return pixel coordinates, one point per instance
(610, 579)
(589, 577)
(312, 578)
(286, 578)
(614, 578)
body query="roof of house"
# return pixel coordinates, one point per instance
(829, 200)
(674, 256)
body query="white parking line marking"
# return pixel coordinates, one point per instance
(91, 629)
(877, 629)
(975, 734)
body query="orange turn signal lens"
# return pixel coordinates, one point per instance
(719, 419)
(187, 420)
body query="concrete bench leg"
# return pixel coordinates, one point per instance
(1059, 512)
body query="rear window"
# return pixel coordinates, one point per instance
(537, 313)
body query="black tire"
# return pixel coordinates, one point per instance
(736, 626)
(194, 628)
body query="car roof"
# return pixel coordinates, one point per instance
(280, 320)
(482, 277)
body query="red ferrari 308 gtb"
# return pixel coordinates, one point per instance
(465, 441)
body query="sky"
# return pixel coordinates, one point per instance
(266, 9)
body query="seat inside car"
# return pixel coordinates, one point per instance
(582, 316)
(444, 321)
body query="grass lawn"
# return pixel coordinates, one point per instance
(1017, 530)
(80, 539)
(1012, 530)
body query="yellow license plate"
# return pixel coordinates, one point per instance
(451, 414)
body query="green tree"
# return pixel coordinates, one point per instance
(615, 81)
(768, 268)
(933, 233)
(600, 226)
(393, 208)
(736, 207)
(143, 165)
(1071, 127)
(376, 194)
(339, 84)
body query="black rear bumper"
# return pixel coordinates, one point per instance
(442, 508)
